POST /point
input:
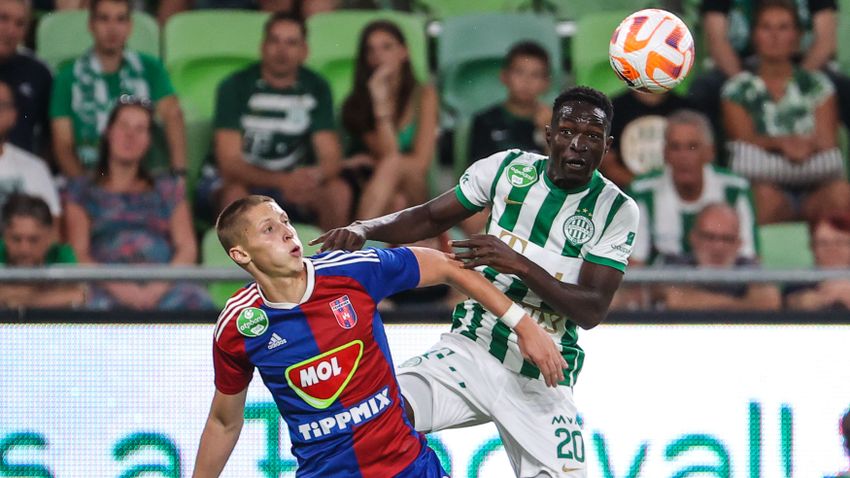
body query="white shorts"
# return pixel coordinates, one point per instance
(457, 384)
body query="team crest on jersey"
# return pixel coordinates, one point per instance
(344, 312)
(252, 322)
(522, 175)
(321, 379)
(578, 229)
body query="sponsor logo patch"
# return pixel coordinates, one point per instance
(522, 175)
(342, 421)
(252, 322)
(321, 379)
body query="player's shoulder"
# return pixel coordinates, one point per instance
(344, 262)
(244, 298)
(618, 198)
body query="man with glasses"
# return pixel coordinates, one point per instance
(715, 242)
(86, 90)
(670, 198)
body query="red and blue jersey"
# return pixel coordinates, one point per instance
(327, 364)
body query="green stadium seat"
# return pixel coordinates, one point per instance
(470, 55)
(333, 38)
(203, 47)
(576, 9)
(590, 51)
(454, 8)
(198, 143)
(785, 246)
(63, 36)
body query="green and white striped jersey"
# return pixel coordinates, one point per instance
(666, 219)
(557, 229)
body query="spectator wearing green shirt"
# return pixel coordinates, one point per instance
(85, 91)
(28, 242)
(275, 134)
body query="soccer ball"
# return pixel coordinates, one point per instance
(652, 50)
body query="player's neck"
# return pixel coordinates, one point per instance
(284, 288)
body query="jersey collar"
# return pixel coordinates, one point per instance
(311, 282)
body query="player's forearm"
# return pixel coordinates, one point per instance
(217, 442)
(410, 225)
(585, 306)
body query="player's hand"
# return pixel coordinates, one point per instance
(487, 250)
(348, 238)
(538, 347)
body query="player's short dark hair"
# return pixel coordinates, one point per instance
(24, 205)
(588, 95)
(94, 3)
(529, 49)
(228, 224)
(282, 16)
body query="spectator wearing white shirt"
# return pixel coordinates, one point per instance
(20, 171)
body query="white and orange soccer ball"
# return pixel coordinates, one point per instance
(652, 50)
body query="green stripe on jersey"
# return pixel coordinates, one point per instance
(615, 208)
(549, 209)
(508, 158)
(604, 261)
(586, 206)
(465, 202)
(499, 344)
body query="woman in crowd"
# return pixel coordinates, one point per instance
(782, 121)
(830, 237)
(392, 122)
(122, 215)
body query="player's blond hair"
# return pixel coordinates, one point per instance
(229, 226)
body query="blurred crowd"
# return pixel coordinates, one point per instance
(93, 162)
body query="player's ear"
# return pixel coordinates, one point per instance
(239, 255)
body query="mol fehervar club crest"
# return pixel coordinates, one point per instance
(344, 312)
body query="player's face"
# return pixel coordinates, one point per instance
(13, 26)
(383, 49)
(686, 150)
(27, 241)
(715, 239)
(271, 241)
(110, 26)
(284, 49)
(775, 36)
(577, 141)
(831, 246)
(526, 78)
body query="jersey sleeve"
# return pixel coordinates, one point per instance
(396, 270)
(615, 246)
(233, 370)
(476, 185)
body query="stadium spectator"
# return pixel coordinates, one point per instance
(28, 77)
(782, 124)
(274, 134)
(85, 91)
(21, 171)
(715, 242)
(392, 121)
(28, 233)
(122, 215)
(520, 121)
(728, 30)
(670, 198)
(638, 131)
(830, 238)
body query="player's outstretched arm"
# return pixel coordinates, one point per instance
(402, 227)
(534, 343)
(220, 433)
